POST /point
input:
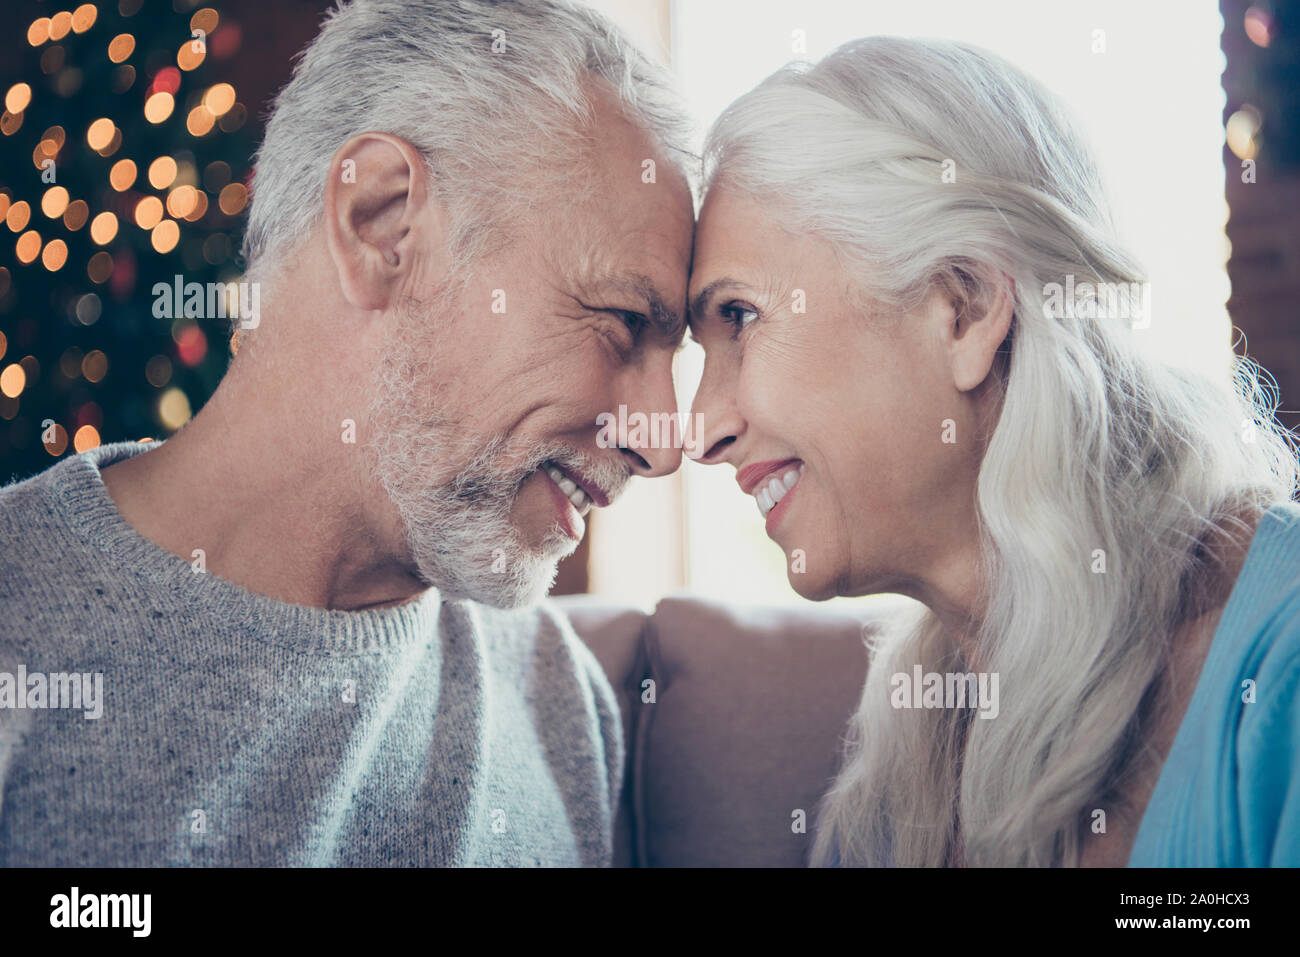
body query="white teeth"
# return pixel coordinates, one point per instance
(776, 489)
(581, 501)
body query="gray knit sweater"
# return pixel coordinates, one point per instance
(232, 729)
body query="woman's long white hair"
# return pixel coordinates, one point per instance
(931, 163)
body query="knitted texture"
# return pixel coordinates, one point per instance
(234, 729)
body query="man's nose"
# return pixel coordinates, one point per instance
(652, 442)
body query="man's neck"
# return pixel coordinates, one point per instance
(275, 507)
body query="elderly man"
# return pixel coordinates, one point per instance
(306, 612)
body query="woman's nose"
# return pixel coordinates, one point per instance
(715, 423)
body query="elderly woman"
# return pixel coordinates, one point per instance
(922, 360)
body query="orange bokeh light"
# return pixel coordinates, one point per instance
(103, 228)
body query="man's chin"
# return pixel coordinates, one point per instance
(509, 580)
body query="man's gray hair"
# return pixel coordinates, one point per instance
(491, 93)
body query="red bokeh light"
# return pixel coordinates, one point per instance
(192, 346)
(168, 80)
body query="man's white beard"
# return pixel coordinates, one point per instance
(459, 532)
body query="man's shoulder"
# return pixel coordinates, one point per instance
(47, 552)
(16, 492)
(30, 515)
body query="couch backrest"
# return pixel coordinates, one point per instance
(733, 719)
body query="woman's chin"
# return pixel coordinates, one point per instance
(818, 588)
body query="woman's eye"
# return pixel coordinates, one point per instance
(738, 315)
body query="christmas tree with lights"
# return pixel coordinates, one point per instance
(124, 163)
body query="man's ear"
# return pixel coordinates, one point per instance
(379, 216)
(982, 309)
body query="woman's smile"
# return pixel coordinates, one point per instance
(771, 483)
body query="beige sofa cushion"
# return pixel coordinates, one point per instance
(615, 635)
(750, 705)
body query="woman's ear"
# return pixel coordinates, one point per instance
(379, 217)
(983, 305)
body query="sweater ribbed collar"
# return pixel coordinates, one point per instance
(92, 515)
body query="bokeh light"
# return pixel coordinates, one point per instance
(173, 408)
(165, 236)
(1259, 26)
(18, 97)
(18, 216)
(200, 121)
(148, 212)
(232, 199)
(54, 255)
(83, 18)
(60, 25)
(55, 202)
(86, 438)
(182, 201)
(162, 172)
(39, 31)
(75, 216)
(159, 106)
(122, 175)
(1243, 131)
(100, 134)
(191, 54)
(219, 99)
(103, 228)
(158, 371)
(28, 246)
(121, 47)
(94, 366)
(13, 380)
(100, 266)
(57, 442)
(205, 20)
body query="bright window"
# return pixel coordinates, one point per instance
(1143, 80)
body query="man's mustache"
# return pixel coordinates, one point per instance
(484, 480)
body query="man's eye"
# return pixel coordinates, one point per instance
(634, 321)
(738, 315)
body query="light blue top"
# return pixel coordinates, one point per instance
(1229, 792)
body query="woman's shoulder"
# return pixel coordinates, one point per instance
(1268, 675)
(1268, 614)
(1265, 601)
(1260, 627)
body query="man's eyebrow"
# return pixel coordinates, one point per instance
(668, 321)
(702, 300)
